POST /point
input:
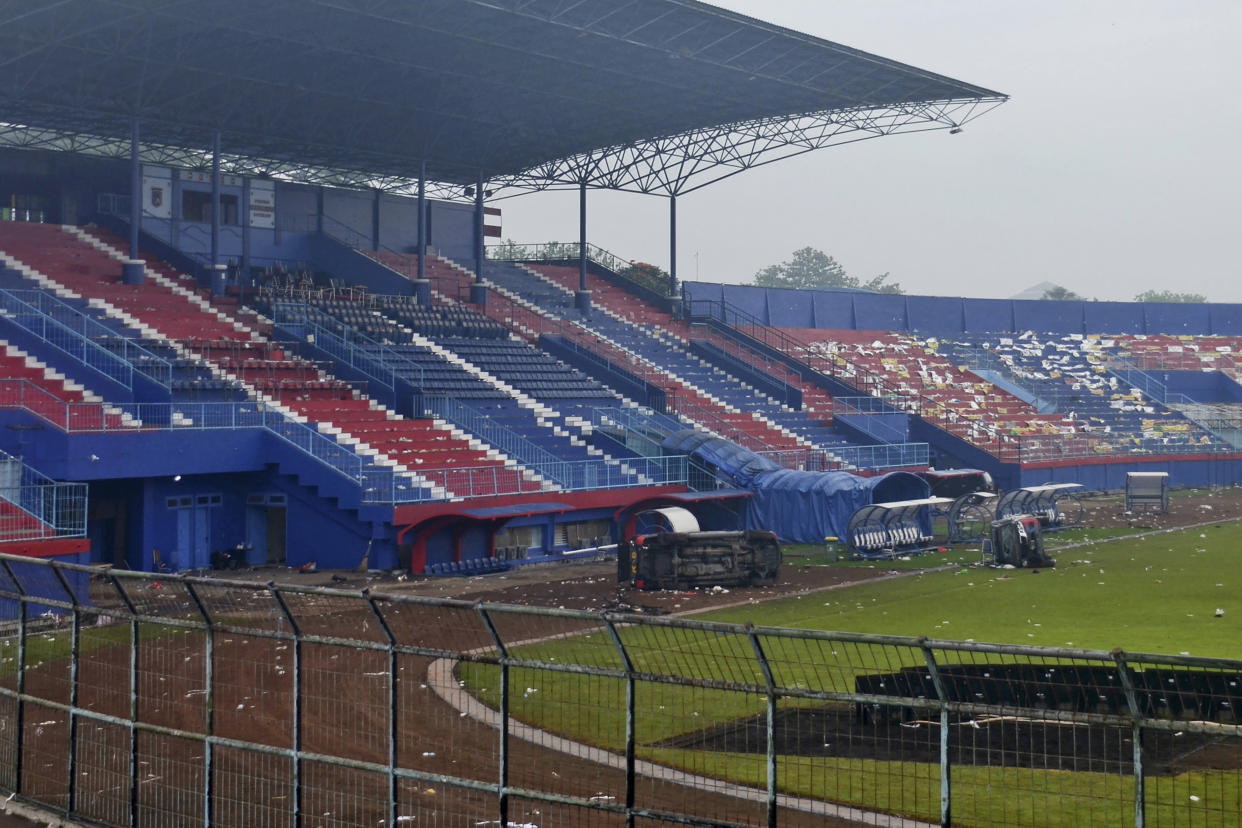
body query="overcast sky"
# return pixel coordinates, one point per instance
(1113, 169)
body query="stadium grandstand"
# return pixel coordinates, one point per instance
(250, 315)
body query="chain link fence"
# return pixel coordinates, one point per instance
(133, 699)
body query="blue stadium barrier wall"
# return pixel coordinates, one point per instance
(1201, 386)
(1059, 317)
(946, 316)
(1225, 319)
(936, 315)
(831, 311)
(987, 315)
(879, 312)
(791, 305)
(1112, 317)
(1200, 471)
(1179, 318)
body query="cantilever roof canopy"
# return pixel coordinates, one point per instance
(646, 95)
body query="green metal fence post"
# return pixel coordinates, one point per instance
(768, 679)
(393, 699)
(19, 719)
(75, 652)
(1140, 788)
(946, 799)
(295, 701)
(629, 719)
(133, 696)
(503, 802)
(209, 654)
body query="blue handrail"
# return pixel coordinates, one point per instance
(381, 365)
(506, 439)
(77, 334)
(54, 509)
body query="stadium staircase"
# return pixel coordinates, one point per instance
(434, 455)
(532, 307)
(443, 378)
(298, 401)
(809, 408)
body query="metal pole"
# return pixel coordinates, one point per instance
(135, 190)
(672, 244)
(19, 719)
(375, 222)
(133, 697)
(630, 731)
(478, 228)
(394, 700)
(582, 235)
(1136, 735)
(209, 654)
(766, 668)
(422, 219)
(933, 669)
(215, 198)
(503, 749)
(75, 656)
(245, 228)
(295, 772)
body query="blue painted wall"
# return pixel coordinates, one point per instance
(348, 217)
(946, 316)
(1201, 386)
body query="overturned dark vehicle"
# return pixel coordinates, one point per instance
(683, 560)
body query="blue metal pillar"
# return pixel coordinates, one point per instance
(218, 269)
(422, 286)
(135, 190)
(243, 272)
(245, 226)
(672, 244)
(174, 192)
(582, 297)
(478, 291)
(375, 222)
(132, 270)
(215, 198)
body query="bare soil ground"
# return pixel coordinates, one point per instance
(593, 585)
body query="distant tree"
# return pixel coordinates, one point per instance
(811, 268)
(650, 276)
(880, 284)
(1169, 296)
(1056, 293)
(508, 250)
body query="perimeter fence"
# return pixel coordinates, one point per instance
(135, 699)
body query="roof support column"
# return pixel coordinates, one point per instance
(217, 267)
(582, 297)
(243, 273)
(422, 285)
(215, 198)
(135, 190)
(478, 291)
(375, 222)
(132, 270)
(672, 243)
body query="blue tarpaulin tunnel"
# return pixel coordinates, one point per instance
(799, 506)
